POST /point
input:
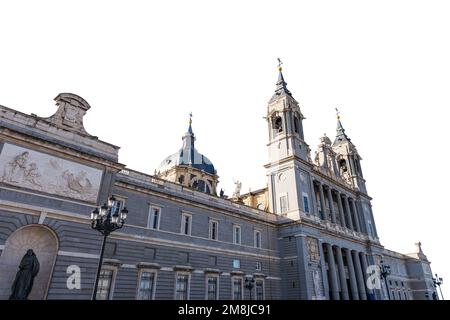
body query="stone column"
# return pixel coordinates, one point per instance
(359, 276)
(351, 274)
(322, 201)
(348, 213)
(363, 259)
(330, 201)
(342, 278)
(333, 282)
(341, 210)
(355, 213)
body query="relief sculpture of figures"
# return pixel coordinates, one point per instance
(23, 283)
(34, 170)
(32, 174)
(15, 169)
(78, 183)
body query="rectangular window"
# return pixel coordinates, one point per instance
(257, 239)
(146, 286)
(237, 234)
(211, 287)
(213, 229)
(283, 204)
(259, 288)
(154, 218)
(104, 284)
(258, 266)
(305, 203)
(117, 206)
(236, 263)
(182, 287)
(186, 224)
(237, 288)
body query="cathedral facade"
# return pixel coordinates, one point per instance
(310, 234)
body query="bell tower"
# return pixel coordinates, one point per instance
(285, 122)
(348, 159)
(288, 153)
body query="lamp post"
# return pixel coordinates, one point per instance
(249, 284)
(106, 220)
(385, 270)
(437, 282)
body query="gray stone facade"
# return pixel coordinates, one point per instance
(53, 173)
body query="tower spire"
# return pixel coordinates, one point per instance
(190, 123)
(340, 131)
(188, 143)
(281, 85)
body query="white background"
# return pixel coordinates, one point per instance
(144, 65)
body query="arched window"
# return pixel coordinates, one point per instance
(343, 165)
(278, 124)
(296, 125)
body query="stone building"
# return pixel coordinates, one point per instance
(310, 234)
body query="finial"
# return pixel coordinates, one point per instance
(279, 65)
(337, 114)
(190, 118)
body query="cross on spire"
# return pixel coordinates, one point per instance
(279, 64)
(190, 124)
(337, 113)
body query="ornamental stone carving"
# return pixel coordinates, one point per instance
(313, 249)
(34, 170)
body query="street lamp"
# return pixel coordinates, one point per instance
(106, 220)
(249, 284)
(437, 282)
(385, 270)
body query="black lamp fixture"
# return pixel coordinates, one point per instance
(106, 220)
(249, 284)
(385, 271)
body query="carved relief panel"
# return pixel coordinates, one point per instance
(34, 170)
(313, 249)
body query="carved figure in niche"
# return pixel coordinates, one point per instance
(316, 281)
(15, 169)
(78, 183)
(23, 283)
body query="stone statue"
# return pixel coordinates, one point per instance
(237, 190)
(316, 282)
(23, 283)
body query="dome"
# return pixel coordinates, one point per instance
(183, 158)
(188, 156)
